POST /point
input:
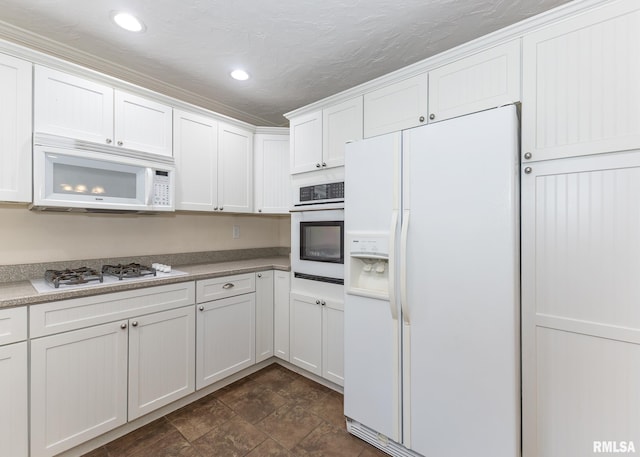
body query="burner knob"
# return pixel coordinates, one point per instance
(123, 326)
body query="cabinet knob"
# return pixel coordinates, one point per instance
(260, 210)
(134, 323)
(120, 143)
(324, 164)
(259, 275)
(228, 285)
(215, 208)
(222, 208)
(123, 326)
(201, 308)
(322, 302)
(421, 118)
(527, 155)
(108, 141)
(317, 302)
(318, 165)
(528, 170)
(432, 116)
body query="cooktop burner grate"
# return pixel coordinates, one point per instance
(132, 270)
(71, 276)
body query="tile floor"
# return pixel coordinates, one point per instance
(273, 412)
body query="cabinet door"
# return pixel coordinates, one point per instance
(195, 150)
(225, 338)
(273, 183)
(264, 315)
(281, 287)
(235, 169)
(161, 359)
(341, 123)
(396, 107)
(15, 129)
(78, 387)
(482, 81)
(73, 107)
(306, 333)
(143, 125)
(14, 426)
(306, 142)
(580, 294)
(333, 341)
(580, 84)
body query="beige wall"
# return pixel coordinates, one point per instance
(32, 236)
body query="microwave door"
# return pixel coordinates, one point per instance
(67, 180)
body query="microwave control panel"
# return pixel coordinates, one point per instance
(318, 192)
(161, 188)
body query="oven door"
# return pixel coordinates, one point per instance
(317, 244)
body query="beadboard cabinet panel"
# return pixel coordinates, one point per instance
(580, 84)
(481, 81)
(15, 129)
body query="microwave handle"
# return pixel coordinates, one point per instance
(148, 191)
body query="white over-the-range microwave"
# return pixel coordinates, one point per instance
(97, 181)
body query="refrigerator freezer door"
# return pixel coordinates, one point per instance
(372, 345)
(461, 363)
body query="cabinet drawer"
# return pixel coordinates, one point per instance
(13, 325)
(65, 315)
(226, 286)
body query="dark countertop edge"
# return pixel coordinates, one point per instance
(32, 297)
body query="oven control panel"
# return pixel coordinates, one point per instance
(320, 192)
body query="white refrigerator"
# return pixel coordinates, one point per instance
(432, 301)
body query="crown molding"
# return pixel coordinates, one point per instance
(272, 130)
(509, 33)
(43, 51)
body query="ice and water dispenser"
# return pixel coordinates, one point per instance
(368, 265)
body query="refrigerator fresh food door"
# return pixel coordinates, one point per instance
(460, 236)
(372, 339)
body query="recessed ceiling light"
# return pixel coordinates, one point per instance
(128, 22)
(240, 75)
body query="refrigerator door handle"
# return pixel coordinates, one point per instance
(393, 304)
(403, 268)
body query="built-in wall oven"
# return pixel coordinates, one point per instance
(317, 232)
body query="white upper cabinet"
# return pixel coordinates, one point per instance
(580, 84)
(396, 107)
(73, 107)
(15, 129)
(341, 123)
(318, 138)
(235, 169)
(142, 124)
(214, 165)
(306, 142)
(272, 179)
(481, 81)
(70, 106)
(195, 148)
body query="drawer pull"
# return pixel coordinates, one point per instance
(228, 285)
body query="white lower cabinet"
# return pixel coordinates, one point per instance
(161, 359)
(78, 386)
(225, 328)
(281, 286)
(317, 335)
(99, 361)
(264, 315)
(14, 430)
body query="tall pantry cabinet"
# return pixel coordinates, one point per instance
(581, 233)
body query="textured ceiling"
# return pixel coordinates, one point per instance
(297, 51)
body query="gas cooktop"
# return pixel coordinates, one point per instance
(85, 277)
